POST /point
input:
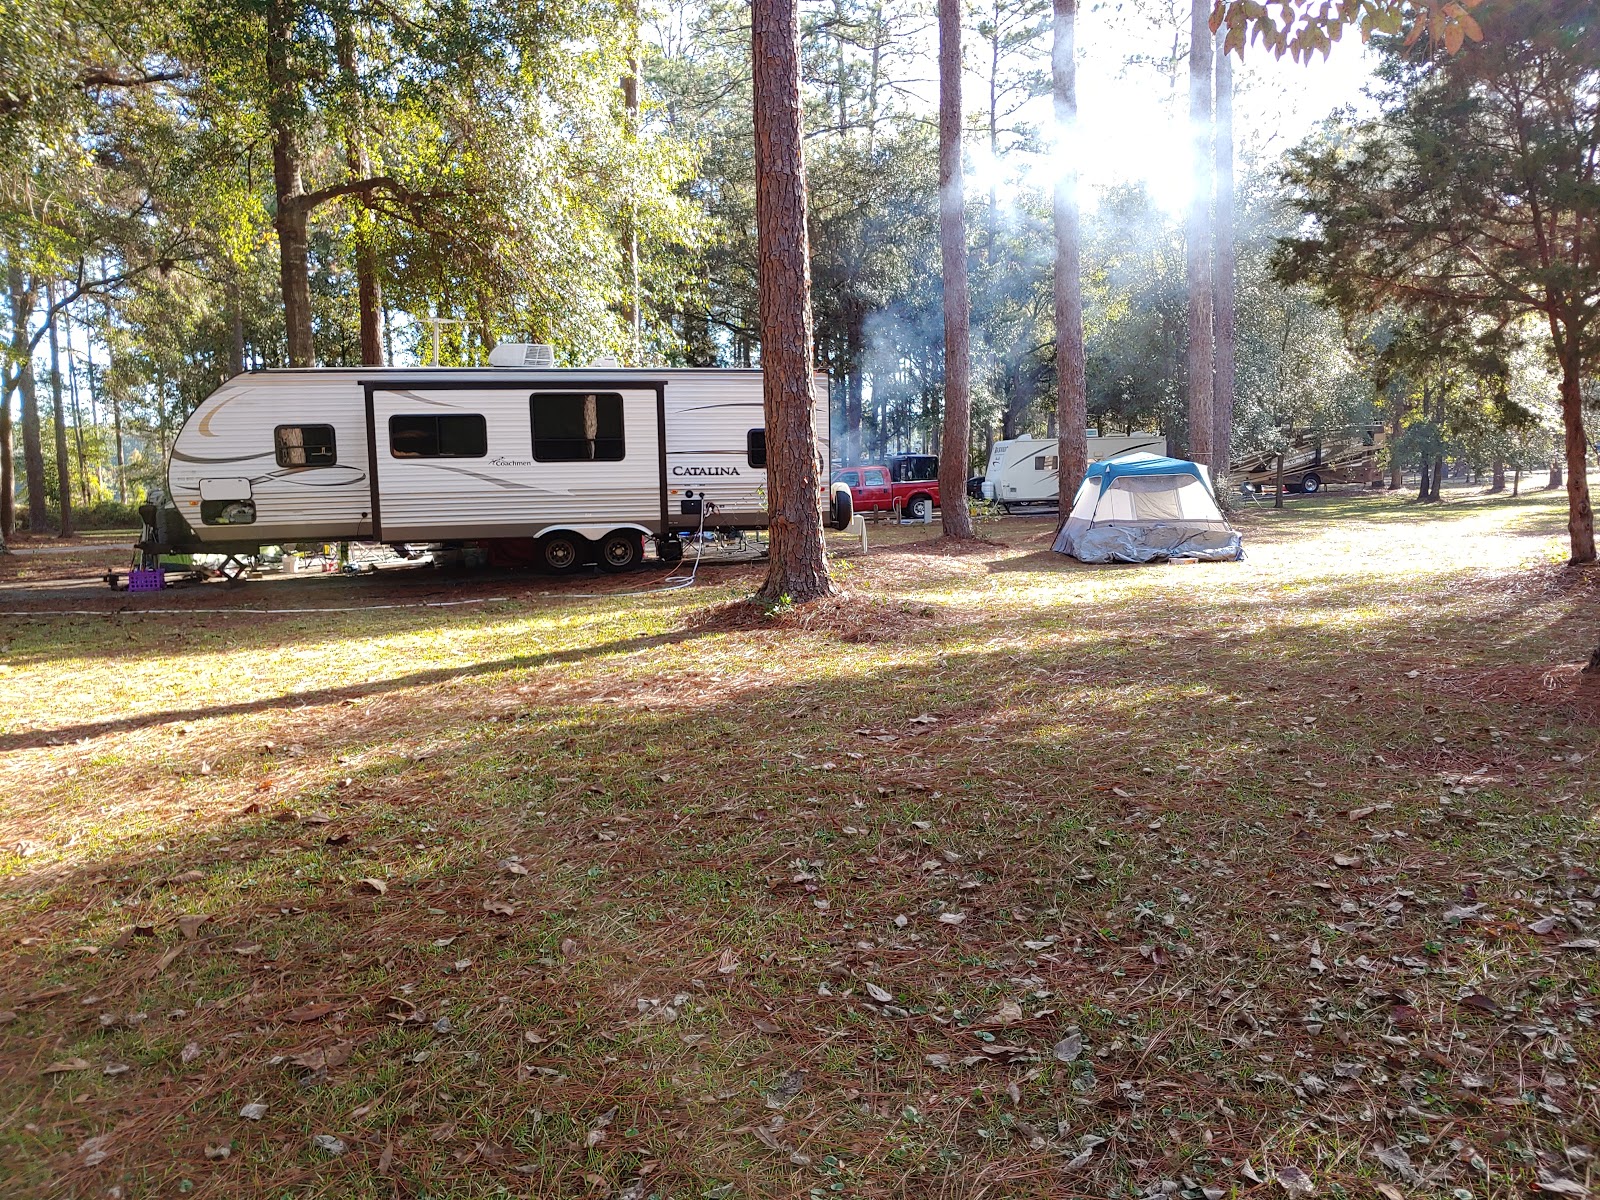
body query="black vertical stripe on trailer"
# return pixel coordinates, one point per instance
(661, 449)
(372, 465)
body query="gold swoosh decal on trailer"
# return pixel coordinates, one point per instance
(205, 422)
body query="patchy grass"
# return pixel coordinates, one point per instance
(1007, 877)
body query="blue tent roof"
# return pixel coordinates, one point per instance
(1140, 465)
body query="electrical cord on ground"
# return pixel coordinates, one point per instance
(671, 582)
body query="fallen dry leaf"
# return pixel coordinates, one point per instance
(64, 1065)
(310, 1012)
(322, 1058)
(1068, 1048)
(499, 908)
(1009, 1013)
(189, 924)
(1347, 861)
(881, 995)
(1561, 1185)
(375, 886)
(1295, 1181)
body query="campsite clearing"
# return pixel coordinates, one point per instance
(1000, 876)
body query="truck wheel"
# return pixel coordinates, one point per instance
(1311, 484)
(562, 553)
(621, 550)
(920, 508)
(669, 550)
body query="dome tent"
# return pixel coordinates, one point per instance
(1141, 507)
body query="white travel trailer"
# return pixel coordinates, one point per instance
(1025, 470)
(569, 466)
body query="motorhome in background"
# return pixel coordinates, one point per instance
(1024, 470)
(559, 467)
(1314, 458)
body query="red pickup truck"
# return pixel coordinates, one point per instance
(875, 489)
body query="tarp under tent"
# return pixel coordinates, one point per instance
(1141, 508)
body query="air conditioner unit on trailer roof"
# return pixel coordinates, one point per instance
(534, 355)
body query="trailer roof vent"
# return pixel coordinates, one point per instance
(523, 354)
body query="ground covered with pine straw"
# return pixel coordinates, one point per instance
(1000, 876)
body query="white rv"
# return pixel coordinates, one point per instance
(577, 466)
(1024, 470)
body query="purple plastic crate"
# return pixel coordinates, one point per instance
(147, 581)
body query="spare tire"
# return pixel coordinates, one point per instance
(841, 507)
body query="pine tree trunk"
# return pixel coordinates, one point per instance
(1277, 496)
(290, 220)
(59, 405)
(1497, 477)
(955, 445)
(1580, 516)
(8, 481)
(1438, 477)
(798, 566)
(1556, 477)
(854, 337)
(1201, 356)
(1226, 268)
(1397, 469)
(22, 358)
(122, 462)
(77, 413)
(1427, 480)
(1072, 459)
(236, 323)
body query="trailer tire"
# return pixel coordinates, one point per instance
(621, 550)
(1311, 484)
(562, 553)
(920, 508)
(669, 549)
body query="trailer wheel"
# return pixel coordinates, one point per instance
(562, 553)
(669, 550)
(621, 550)
(920, 508)
(1311, 484)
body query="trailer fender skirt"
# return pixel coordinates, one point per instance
(594, 532)
(841, 507)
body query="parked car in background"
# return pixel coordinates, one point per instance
(873, 488)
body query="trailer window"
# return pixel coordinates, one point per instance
(441, 435)
(305, 445)
(1044, 462)
(577, 426)
(755, 447)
